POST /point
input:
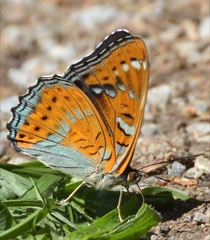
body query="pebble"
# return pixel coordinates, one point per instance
(13, 34)
(150, 129)
(190, 173)
(3, 137)
(29, 71)
(204, 139)
(170, 34)
(19, 77)
(186, 48)
(200, 128)
(39, 65)
(164, 229)
(7, 104)
(63, 53)
(204, 28)
(176, 169)
(154, 237)
(202, 166)
(159, 96)
(91, 18)
(201, 106)
(199, 217)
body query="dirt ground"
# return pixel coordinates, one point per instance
(43, 37)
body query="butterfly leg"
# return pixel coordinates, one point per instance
(118, 205)
(142, 195)
(72, 194)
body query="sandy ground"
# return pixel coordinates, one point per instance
(44, 37)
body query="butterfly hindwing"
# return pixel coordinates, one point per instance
(58, 123)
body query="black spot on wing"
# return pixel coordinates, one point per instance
(127, 115)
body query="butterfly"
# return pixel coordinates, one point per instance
(86, 123)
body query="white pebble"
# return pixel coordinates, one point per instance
(159, 95)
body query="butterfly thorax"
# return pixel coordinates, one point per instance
(108, 181)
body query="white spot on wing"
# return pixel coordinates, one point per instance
(121, 86)
(56, 138)
(97, 90)
(70, 117)
(110, 92)
(107, 154)
(60, 130)
(78, 114)
(144, 64)
(88, 113)
(136, 64)
(125, 67)
(131, 94)
(65, 126)
(129, 130)
(120, 149)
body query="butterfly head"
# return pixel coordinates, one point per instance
(134, 177)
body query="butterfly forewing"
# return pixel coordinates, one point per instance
(115, 77)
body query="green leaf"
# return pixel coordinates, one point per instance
(14, 183)
(89, 214)
(20, 228)
(109, 227)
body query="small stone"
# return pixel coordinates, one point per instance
(201, 106)
(170, 34)
(60, 52)
(204, 28)
(19, 77)
(207, 238)
(13, 34)
(190, 173)
(165, 229)
(188, 217)
(200, 128)
(3, 137)
(204, 139)
(200, 217)
(150, 129)
(176, 169)
(7, 104)
(153, 237)
(159, 96)
(92, 17)
(186, 48)
(202, 166)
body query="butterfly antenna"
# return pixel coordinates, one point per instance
(173, 160)
(95, 44)
(163, 179)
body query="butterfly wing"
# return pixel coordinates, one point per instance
(115, 78)
(56, 122)
(87, 122)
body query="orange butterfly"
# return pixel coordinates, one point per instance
(86, 123)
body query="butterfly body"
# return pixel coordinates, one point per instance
(86, 122)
